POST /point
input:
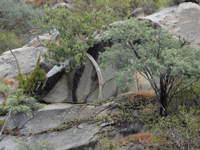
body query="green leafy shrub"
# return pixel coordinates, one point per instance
(181, 129)
(17, 16)
(29, 83)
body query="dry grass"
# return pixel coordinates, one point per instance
(11, 82)
(146, 94)
(144, 138)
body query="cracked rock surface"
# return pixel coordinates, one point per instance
(38, 128)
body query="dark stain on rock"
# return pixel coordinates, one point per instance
(76, 81)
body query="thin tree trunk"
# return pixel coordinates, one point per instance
(100, 78)
(2, 130)
(163, 97)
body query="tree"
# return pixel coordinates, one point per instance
(163, 58)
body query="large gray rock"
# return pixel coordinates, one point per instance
(51, 116)
(59, 93)
(27, 58)
(182, 19)
(8, 143)
(46, 125)
(73, 138)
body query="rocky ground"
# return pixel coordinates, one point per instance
(67, 126)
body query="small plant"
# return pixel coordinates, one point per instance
(181, 129)
(17, 102)
(105, 143)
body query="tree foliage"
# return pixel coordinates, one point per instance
(164, 59)
(7, 40)
(17, 16)
(77, 28)
(121, 8)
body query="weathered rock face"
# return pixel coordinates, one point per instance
(51, 117)
(66, 126)
(8, 143)
(27, 58)
(141, 12)
(182, 19)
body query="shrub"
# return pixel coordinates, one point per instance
(35, 78)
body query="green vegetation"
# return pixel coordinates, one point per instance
(180, 129)
(17, 102)
(16, 20)
(162, 58)
(8, 40)
(77, 29)
(35, 78)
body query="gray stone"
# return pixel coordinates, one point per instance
(87, 83)
(82, 84)
(57, 69)
(39, 128)
(141, 12)
(40, 40)
(59, 93)
(132, 129)
(51, 116)
(182, 19)
(8, 143)
(69, 139)
(67, 1)
(27, 58)
(132, 147)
